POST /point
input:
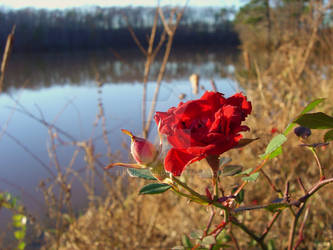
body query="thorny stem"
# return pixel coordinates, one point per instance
(270, 182)
(212, 214)
(249, 232)
(269, 225)
(299, 180)
(220, 227)
(301, 229)
(293, 227)
(297, 202)
(252, 172)
(233, 238)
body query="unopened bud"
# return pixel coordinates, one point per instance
(142, 150)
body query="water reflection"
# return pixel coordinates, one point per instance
(34, 71)
(62, 90)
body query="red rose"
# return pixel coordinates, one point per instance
(203, 127)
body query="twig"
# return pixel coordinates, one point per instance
(215, 232)
(269, 225)
(211, 217)
(163, 66)
(34, 156)
(135, 38)
(5, 57)
(212, 82)
(252, 172)
(249, 232)
(312, 191)
(299, 180)
(150, 56)
(301, 229)
(45, 123)
(296, 203)
(270, 182)
(286, 197)
(293, 227)
(233, 238)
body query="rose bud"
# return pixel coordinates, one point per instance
(302, 132)
(142, 150)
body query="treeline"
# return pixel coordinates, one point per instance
(97, 28)
(269, 24)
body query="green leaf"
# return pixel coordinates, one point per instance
(224, 160)
(141, 173)
(231, 170)
(275, 153)
(221, 246)
(186, 241)
(246, 171)
(19, 235)
(289, 128)
(197, 234)
(271, 245)
(19, 220)
(178, 248)
(13, 202)
(21, 245)
(240, 196)
(223, 238)
(307, 109)
(312, 105)
(315, 121)
(154, 188)
(252, 177)
(273, 207)
(18, 217)
(274, 144)
(209, 240)
(245, 141)
(328, 136)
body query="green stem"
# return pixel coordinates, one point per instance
(192, 198)
(190, 190)
(321, 173)
(216, 182)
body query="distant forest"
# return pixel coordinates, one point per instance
(99, 28)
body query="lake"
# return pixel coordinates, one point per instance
(74, 91)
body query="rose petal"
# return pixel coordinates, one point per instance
(176, 160)
(240, 100)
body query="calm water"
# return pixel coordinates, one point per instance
(62, 89)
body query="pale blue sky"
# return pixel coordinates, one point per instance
(77, 3)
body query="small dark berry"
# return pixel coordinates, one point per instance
(302, 132)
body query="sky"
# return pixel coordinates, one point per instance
(61, 4)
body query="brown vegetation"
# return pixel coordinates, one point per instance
(279, 83)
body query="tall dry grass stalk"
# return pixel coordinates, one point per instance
(5, 56)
